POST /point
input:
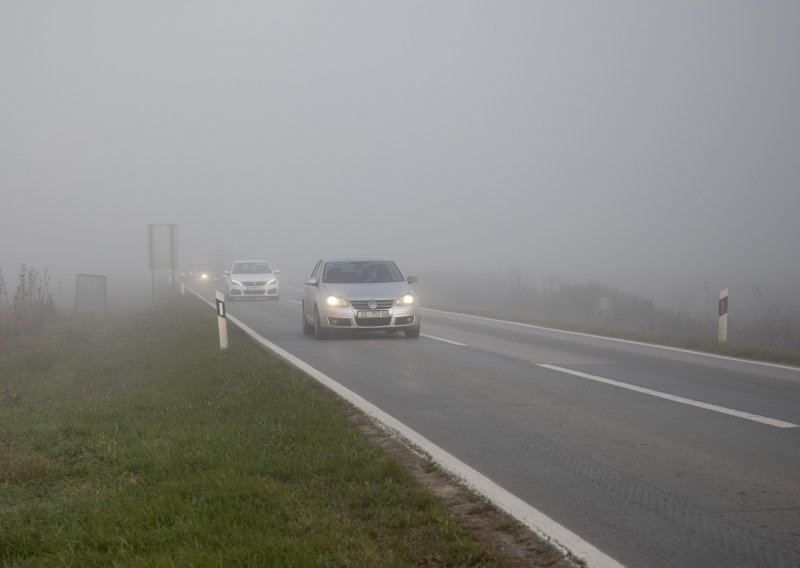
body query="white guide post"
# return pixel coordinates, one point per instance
(222, 321)
(723, 316)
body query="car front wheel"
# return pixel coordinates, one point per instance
(319, 331)
(412, 333)
(307, 329)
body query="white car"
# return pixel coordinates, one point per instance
(252, 279)
(359, 294)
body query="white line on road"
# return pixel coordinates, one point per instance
(673, 398)
(534, 519)
(618, 340)
(443, 339)
(293, 301)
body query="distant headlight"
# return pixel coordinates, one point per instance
(204, 276)
(235, 282)
(405, 300)
(333, 301)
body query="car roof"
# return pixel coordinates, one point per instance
(251, 260)
(357, 259)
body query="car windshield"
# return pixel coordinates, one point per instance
(251, 268)
(362, 272)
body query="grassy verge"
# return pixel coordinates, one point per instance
(730, 349)
(139, 443)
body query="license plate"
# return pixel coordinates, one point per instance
(373, 314)
(254, 287)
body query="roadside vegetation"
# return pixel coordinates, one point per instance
(24, 309)
(766, 333)
(135, 441)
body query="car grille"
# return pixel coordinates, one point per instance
(254, 292)
(254, 283)
(373, 322)
(364, 304)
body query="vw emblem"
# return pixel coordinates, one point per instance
(372, 304)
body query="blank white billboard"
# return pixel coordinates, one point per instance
(162, 249)
(90, 294)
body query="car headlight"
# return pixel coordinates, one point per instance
(405, 300)
(204, 276)
(272, 281)
(235, 282)
(336, 302)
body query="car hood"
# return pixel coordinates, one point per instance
(368, 291)
(254, 277)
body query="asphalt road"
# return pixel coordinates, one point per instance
(657, 457)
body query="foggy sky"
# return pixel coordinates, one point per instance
(650, 145)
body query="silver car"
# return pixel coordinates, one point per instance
(359, 293)
(252, 279)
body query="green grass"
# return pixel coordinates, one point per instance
(137, 442)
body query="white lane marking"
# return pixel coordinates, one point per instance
(618, 340)
(443, 339)
(293, 301)
(673, 398)
(560, 536)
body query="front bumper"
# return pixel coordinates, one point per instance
(399, 317)
(271, 291)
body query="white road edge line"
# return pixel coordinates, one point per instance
(618, 340)
(293, 301)
(738, 413)
(443, 339)
(557, 534)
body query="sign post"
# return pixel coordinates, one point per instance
(222, 322)
(723, 316)
(162, 253)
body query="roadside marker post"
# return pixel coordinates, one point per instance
(723, 316)
(222, 321)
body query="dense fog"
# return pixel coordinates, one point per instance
(649, 146)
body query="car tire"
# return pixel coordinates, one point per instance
(307, 329)
(319, 331)
(412, 333)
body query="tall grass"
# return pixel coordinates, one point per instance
(3, 297)
(32, 302)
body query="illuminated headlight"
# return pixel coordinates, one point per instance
(333, 301)
(405, 300)
(235, 282)
(204, 276)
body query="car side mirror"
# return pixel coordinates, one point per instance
(412, 279)
(277, 271)
(312, 282)
(226, 273)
